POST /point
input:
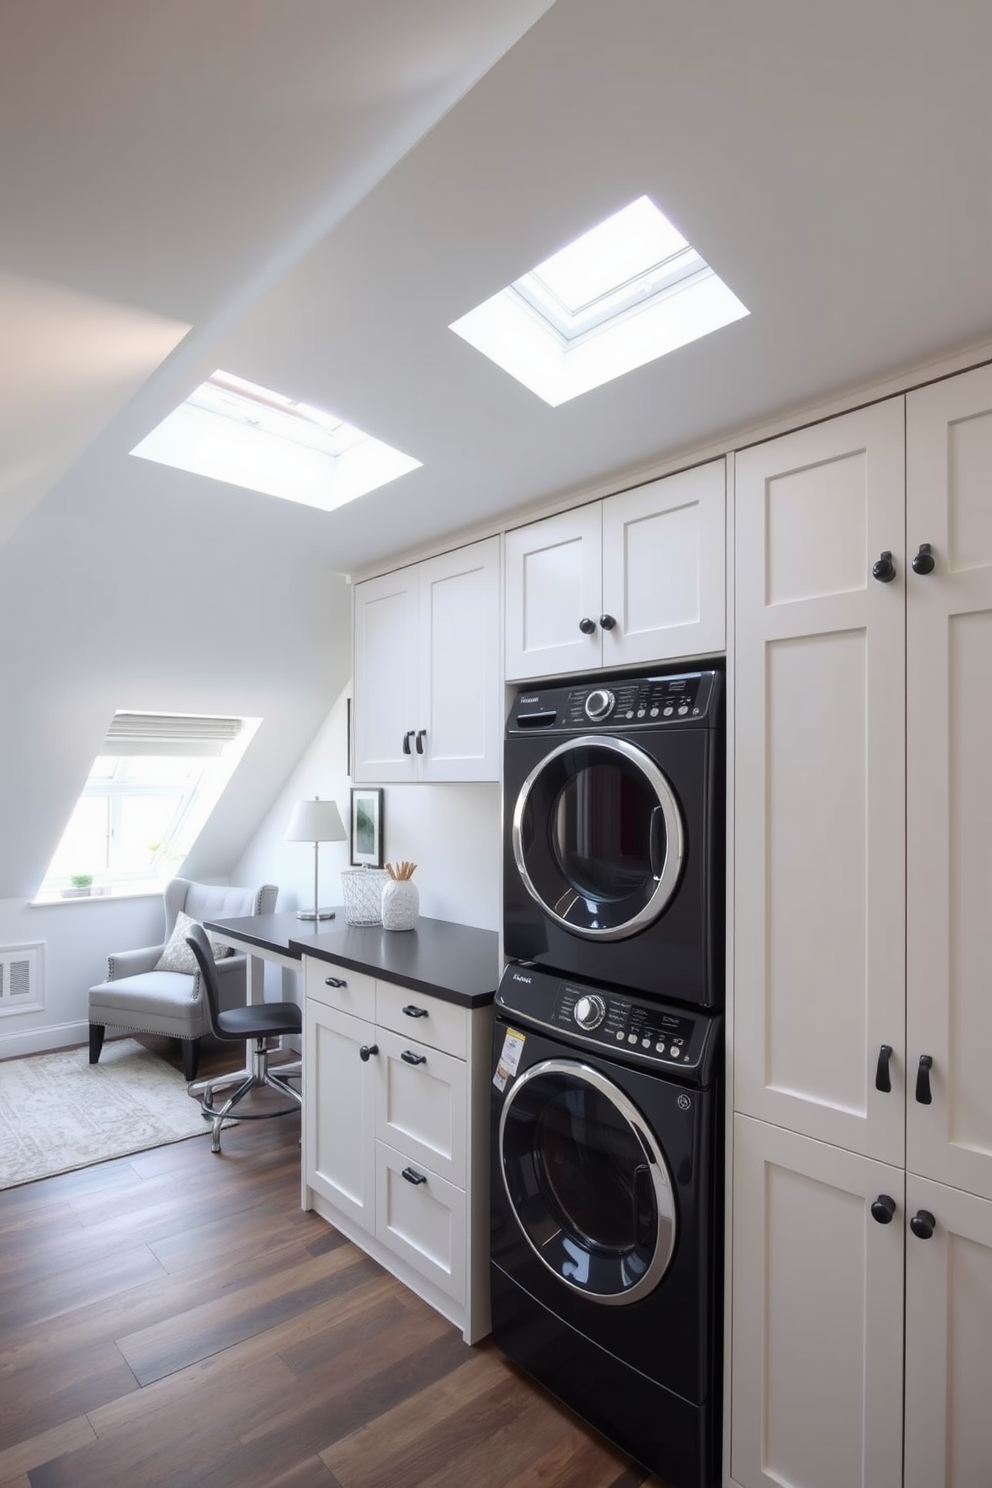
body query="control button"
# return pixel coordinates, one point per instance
(660, 1048)
(674, 1052)
(645, 1043)
(599, 704)
(590, 1011)
(629, 713)
(632, 1038)
(654, 712)
(683, 711)
(620, 1037)
(668, 712)
(640, 712)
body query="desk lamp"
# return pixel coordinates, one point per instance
(315, 821)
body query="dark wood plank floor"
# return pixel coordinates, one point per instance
(175, 1318)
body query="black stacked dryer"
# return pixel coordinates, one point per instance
(607, 1094)
(613, 833)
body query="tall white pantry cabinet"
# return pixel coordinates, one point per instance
(862, 1244)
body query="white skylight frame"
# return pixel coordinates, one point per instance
(630, 290)
(235, 431)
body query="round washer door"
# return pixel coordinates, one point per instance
(587, 1181)
(598, 838)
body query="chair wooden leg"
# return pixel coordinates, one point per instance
(191, 1058)
(97, 1030)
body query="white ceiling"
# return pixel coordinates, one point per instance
(319, 188)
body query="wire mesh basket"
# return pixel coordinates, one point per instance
(362, 890)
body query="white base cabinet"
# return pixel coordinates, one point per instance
(396, 1132)
(638, 577)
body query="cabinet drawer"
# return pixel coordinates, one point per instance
(429, 1020)
(421, 1218)
(421, 1104)
(355, 996)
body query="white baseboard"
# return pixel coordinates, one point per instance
(41, 1040)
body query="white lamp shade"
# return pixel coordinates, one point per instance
(316, 821)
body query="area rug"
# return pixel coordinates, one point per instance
(59, 1112)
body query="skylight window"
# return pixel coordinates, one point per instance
(235, 431)
(628, 291)
(150, 791)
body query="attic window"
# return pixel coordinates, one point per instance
(150, 791)
(246, 435)
(625, 293)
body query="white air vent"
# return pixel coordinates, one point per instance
(21, 978)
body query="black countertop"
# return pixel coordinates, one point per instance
(456, 962)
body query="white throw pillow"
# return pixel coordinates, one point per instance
(177, 956)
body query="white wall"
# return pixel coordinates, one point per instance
(77, 936)
(452, 833)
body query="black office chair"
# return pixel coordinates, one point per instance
(255, 1020)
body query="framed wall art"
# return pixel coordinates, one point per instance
(366, 827)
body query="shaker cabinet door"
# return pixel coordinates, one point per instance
(949, 798)
(819, 782)
(664, 568)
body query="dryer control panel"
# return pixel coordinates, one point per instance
(619, 701)
(634, 1028)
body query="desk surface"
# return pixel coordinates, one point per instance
(456, 962)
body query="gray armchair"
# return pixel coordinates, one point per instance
(139, 998)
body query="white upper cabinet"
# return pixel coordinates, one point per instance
(820, 790)
(949, 763)
(427, 686)
(637, 578)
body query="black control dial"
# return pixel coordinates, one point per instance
(590, 1011)
(599, 704)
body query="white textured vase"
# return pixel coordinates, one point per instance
(400, 904)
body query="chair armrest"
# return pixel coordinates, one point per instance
(132, 963)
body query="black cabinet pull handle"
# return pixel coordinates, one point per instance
(587, 626)
(924, 562)
(883, 1080)
(421, 734)
(366, 1052)
(411, 1058)
(412, 1176)
(413, 1011)
(335, 982)
(883, 569)
(406, 741)
(607, 622)
(923, 1224)
(923, 1092)
(883, 1208)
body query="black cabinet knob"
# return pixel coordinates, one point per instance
(366, 1051)
(421, 736)
(413, 1011)
(923, 1092)
(924, 562)
(883, 1208)
(883, 569)
(883, 1080)
(922, 1224)
(411, 1058)
(587, 626)
(607, 622)
(412, 1176)
(406, 741)
(335, 982)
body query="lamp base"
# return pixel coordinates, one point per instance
(315, 914)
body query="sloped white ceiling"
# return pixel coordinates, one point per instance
(317, 189)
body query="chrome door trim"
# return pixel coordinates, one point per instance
(674, 834)
(661, 1178)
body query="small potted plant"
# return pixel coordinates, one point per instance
(82, 883)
